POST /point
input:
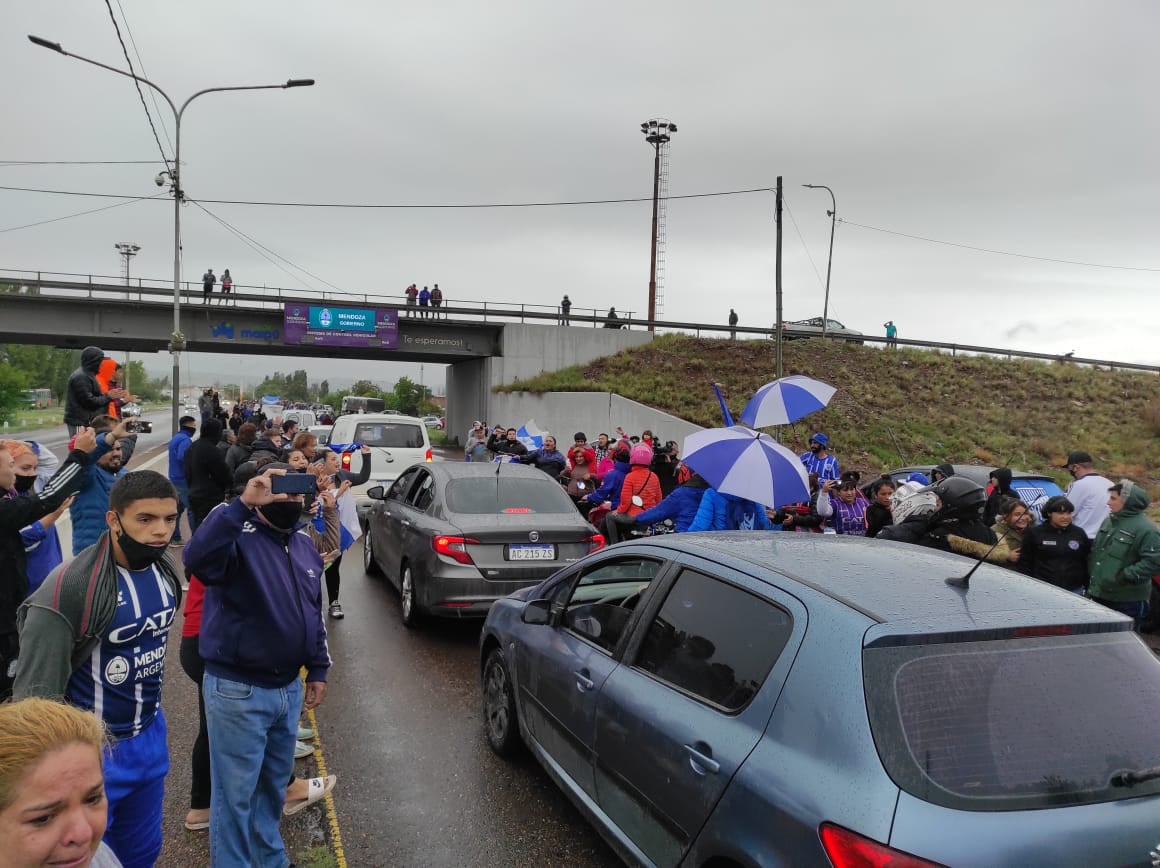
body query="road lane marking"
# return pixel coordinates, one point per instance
(328, 799)
(64, 523)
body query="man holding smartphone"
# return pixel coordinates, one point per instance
(261, 622)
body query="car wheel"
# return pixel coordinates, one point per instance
(499, 706)
(408, 605)
(370, 565)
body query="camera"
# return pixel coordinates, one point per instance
(160, 179)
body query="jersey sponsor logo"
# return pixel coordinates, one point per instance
(117, 670)
(157, 623)
(247, 527)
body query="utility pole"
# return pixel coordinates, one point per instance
(777, 283)
(128, 250)
(833, 215)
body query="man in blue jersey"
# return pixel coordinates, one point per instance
(94, 634)
(261, 623)
(819, 460)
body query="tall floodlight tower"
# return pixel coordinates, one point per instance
(658, 132)
(128, 250)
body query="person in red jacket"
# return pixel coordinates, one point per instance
(641, 491)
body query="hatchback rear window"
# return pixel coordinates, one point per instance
(391, 435)
(1017, 723)
(487, 495)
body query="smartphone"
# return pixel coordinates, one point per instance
(294, 483)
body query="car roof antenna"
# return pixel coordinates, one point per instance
(964, 582)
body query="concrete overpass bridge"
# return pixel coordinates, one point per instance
(483, 345)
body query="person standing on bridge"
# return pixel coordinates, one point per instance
(732, 324)
(612, 321)
(227, 285)
(891, 334)
(565, 310)
(207, 281)
(412, 293)
(424, 302)
(436, 300)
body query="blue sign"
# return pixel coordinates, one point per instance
(345, 319)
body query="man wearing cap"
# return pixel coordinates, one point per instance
(1088, 493)
(1126, 553)
(476, 442)
(819, 460)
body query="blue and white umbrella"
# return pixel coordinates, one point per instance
(786, 400)
(747, 464)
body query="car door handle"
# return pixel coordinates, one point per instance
(583, 682)
(701, 759)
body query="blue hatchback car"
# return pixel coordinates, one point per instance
(778, 699)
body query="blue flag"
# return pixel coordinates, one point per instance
(724, 409)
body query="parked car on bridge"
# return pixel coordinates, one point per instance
(808, 328)
(453, 536)
(758, 698)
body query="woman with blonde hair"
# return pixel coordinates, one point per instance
(52, 792)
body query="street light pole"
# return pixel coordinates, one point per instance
(833, 213)
(656, 133)
(177, 341)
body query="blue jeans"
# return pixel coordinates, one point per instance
(183, 507)
(135, 770)
(1136, 609)
(252, 731)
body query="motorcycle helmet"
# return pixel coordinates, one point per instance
(959, 496)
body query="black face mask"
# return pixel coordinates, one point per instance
(25, 483)
(283, 515)
(139, 555)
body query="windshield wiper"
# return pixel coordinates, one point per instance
(1130, 778)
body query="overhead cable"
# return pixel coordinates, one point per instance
(140, 93)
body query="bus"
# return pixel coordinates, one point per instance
(355, 404)
(39, 398)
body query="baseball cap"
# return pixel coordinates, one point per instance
(1077, 457)
(476, 424)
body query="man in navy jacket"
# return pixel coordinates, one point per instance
(261, 622)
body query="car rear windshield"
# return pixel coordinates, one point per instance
(1017, 723)
(487, 495)
(391, 435)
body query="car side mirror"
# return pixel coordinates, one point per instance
(376, 493)
(537, 612)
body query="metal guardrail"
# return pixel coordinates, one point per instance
(147, 291)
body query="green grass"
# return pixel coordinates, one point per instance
(316, 857)
(32, 419)
(902, 406)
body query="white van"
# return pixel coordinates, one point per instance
(396, 443)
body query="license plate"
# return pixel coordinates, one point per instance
(531, 553)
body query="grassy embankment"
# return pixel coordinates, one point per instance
(902, 406)
(33, 419)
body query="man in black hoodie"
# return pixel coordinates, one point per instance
(84, 397)
(1000, 488)
(206, 472)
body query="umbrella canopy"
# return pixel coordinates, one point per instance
(747, 464)
(786, 400)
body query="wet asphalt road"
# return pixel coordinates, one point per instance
(402, 729)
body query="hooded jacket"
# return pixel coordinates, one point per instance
(610, 485)
(728, 512)
(177, 445)
(681, 506)
(262, 615)
(640, 482)
(1126, 551)
(87, 512)
(105, 382)
(1003, 489)
(206, 472)
(551, 461)
(84, 397)
(67, 616)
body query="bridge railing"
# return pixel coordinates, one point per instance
(251, 297)
(150, 291)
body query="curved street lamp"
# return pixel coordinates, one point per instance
(173, 175)
(833, 215)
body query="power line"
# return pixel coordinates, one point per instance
(7, 163)
(802, 239)
(82, 213)
(141, 66)
(140, 93)
(996, 252)
(355, 205)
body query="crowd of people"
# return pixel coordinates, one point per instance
(209, 280)
(428, 301)
(1094, 540)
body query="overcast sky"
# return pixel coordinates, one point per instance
(1026, 127)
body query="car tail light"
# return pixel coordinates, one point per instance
(1051, 630)
(848, 849)
(455, 547)
(428, 457)
(346, 460)
(595, 542)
